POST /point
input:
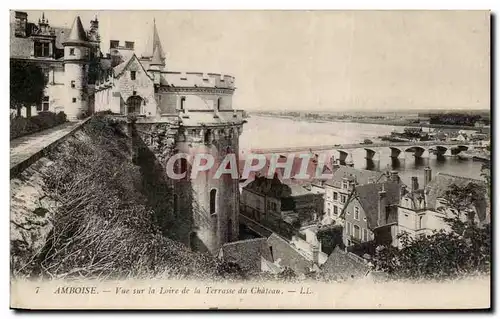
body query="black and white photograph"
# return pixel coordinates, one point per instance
(250, 159)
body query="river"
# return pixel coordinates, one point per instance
(268, 132)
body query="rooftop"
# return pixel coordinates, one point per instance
(361, 176)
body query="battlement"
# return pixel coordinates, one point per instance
(115, 44)
(198, 79)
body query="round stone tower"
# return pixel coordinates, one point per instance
(76, 61)
(196, 120)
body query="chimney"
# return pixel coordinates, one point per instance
(382, 206)
(427, 176)
(403, 191)
(414, 183)
(394, 177)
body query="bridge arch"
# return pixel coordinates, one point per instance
(395, 151)
(458, 149)
(417, 151)
(370, 153)
(441, 150)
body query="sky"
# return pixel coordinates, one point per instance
(320, 60)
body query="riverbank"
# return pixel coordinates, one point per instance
(377, 122)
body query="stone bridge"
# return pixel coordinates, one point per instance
(440, 148)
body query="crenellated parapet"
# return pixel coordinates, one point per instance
(199, 80)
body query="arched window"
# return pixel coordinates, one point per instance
(183, 103)
(218, 104)
(134, 104)
(213, 196)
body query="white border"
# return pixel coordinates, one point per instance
(190, 4)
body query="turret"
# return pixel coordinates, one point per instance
(76, 59)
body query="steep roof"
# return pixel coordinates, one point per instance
(440, 184)
(153, 43)
(344, 265)
(368, 196)
(287, 256)
(362, 176)
(157, 59)
(278, 189)
(247, 253)
(77, 33)
(120, 68)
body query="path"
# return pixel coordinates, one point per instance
(25, 147)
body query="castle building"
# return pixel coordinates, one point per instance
(183, 112)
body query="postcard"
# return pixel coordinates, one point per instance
(250, 159)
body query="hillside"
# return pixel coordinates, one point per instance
(92, 209)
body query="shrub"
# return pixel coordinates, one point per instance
(20, 126)
(104, 227)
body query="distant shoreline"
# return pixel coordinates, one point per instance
(376, 122)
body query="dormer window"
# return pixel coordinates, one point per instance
(72, 51)
(132, 75)
(41, 49)
(344, 184)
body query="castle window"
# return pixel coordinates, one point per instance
(213, 196)
(132, 75)
(45, 103)
(41, 49)
(183, 102)
(134, 104)
(72, 51)
(218, 104)
(72, 84)
(207, 135)
(74, 100)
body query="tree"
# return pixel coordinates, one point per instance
(463, 249)
(464, 198)
(330, 237)
(27, 85)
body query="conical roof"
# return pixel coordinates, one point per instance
(153, 43)
(157, 59)
(77, 34)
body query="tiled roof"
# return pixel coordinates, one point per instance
(276, 188)
(441, 183)
(247, 253)
(344, 265)
(118, 70)
(22, 47)
(362, 176)
(77, 33)
(287, 256)
(19, 47)
(368, 196)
